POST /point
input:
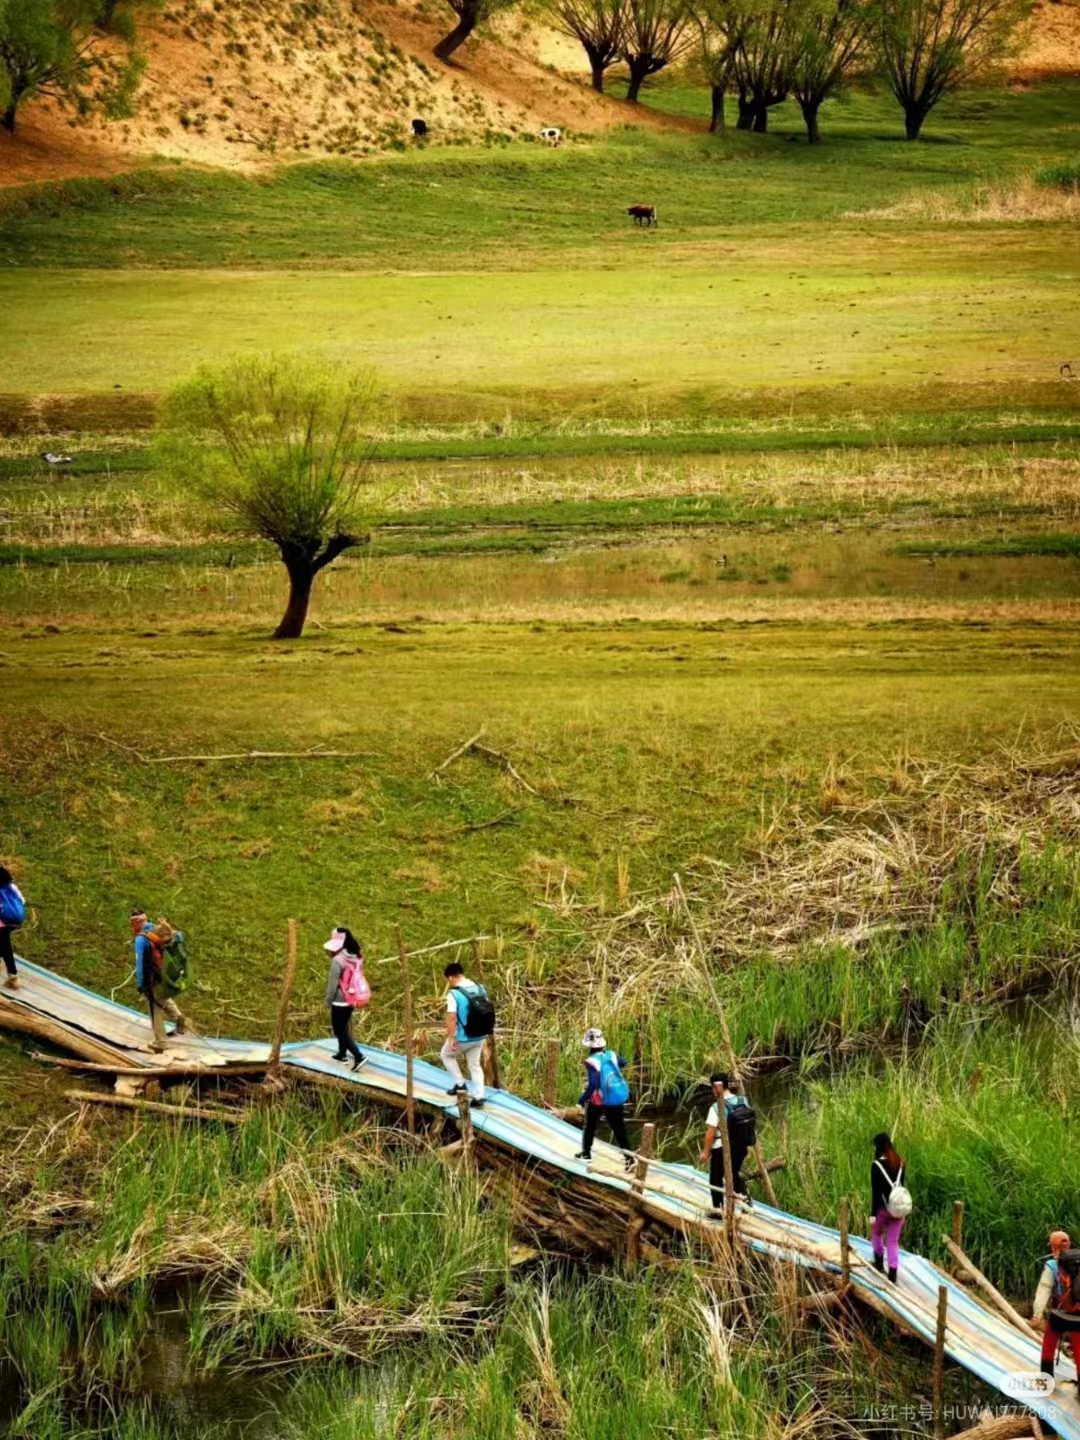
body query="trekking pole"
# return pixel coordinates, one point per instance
(273, 1069)
(406, 991)
(733, 1063)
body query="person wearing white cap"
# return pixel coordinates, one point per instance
(606, 1093)
(345, 989)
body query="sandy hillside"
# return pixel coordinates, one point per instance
(243, 83)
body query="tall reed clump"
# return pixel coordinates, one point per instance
(981, 1113)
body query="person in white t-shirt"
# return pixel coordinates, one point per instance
(712, 1151)
(458, 1046)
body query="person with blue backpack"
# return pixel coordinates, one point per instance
(12, 915)
(605, 1095)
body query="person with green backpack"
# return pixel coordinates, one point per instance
(161, 965)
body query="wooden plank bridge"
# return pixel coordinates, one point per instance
(675, 1196)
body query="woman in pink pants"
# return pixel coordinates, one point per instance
(886, 1171)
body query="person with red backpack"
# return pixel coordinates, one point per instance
(150, 941)
(12, 915)
(346, 990)
(1063, 1318)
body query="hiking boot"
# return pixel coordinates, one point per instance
(181, 1026)
(1047, 1367)
(582, 1156)
(12, 982)
(478, 1104)
(629, 1161)
(892, 1275)
(458, 1090)
(357, 1062)
(339, 1057)
(157, 1046)
(879, 1263)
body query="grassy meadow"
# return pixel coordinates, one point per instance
(750, 543)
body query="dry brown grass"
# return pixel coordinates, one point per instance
(1022, 199)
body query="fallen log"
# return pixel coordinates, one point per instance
(146, 1072)
(984, 1284)
(998, 1427)
(29, 1022)
(156, 1107)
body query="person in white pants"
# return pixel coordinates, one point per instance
(458, 1046)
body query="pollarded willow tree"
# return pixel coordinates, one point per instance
(925, 48)
(718, 38)
(470, 13)
(831, 45)
(767, 33)
(282, 448)
(60, 49)
(656, 33)
(598, 27)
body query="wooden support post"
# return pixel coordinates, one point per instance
(406, 992)
(845, 1252)
(551, 1073)
(273, 1069)
(641, 1167)
(733, 1064)
(939, 1363)
(490, 1054)
(465, 1116)
(984, 1284)
(958, 1224)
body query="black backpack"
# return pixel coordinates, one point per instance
(1069, 1264)
(479, 1019)
(742, 1123)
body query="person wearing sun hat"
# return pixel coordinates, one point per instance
(605, 1095)
(342, 992)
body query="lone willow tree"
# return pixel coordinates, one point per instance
(281, 447)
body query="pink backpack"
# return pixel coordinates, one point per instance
(354, 986)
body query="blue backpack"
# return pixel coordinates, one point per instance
(613, 1087)
(12, 909)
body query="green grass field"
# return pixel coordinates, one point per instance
(751, 544)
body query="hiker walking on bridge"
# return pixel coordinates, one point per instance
(890, 1204)
(150, 942)
(606, 1093)
(740, 1128)
(470, 1019)
(12, 915)
(1051, 1281)
(1057, 1302)
(346, 990)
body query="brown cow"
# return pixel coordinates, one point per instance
(643, 214)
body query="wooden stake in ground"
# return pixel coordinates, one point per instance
(984, 1284)
(845, 1253)
(273, 1069)
(490, 1053)
(733, 1064)
(465, 1116)
(939, 1362)
(406, 994)
(641, 1168)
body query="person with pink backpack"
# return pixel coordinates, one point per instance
(346, 991)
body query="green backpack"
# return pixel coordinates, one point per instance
(171, 960)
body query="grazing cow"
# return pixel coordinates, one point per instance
(551, 135)
(419, 129)
(642, 214)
